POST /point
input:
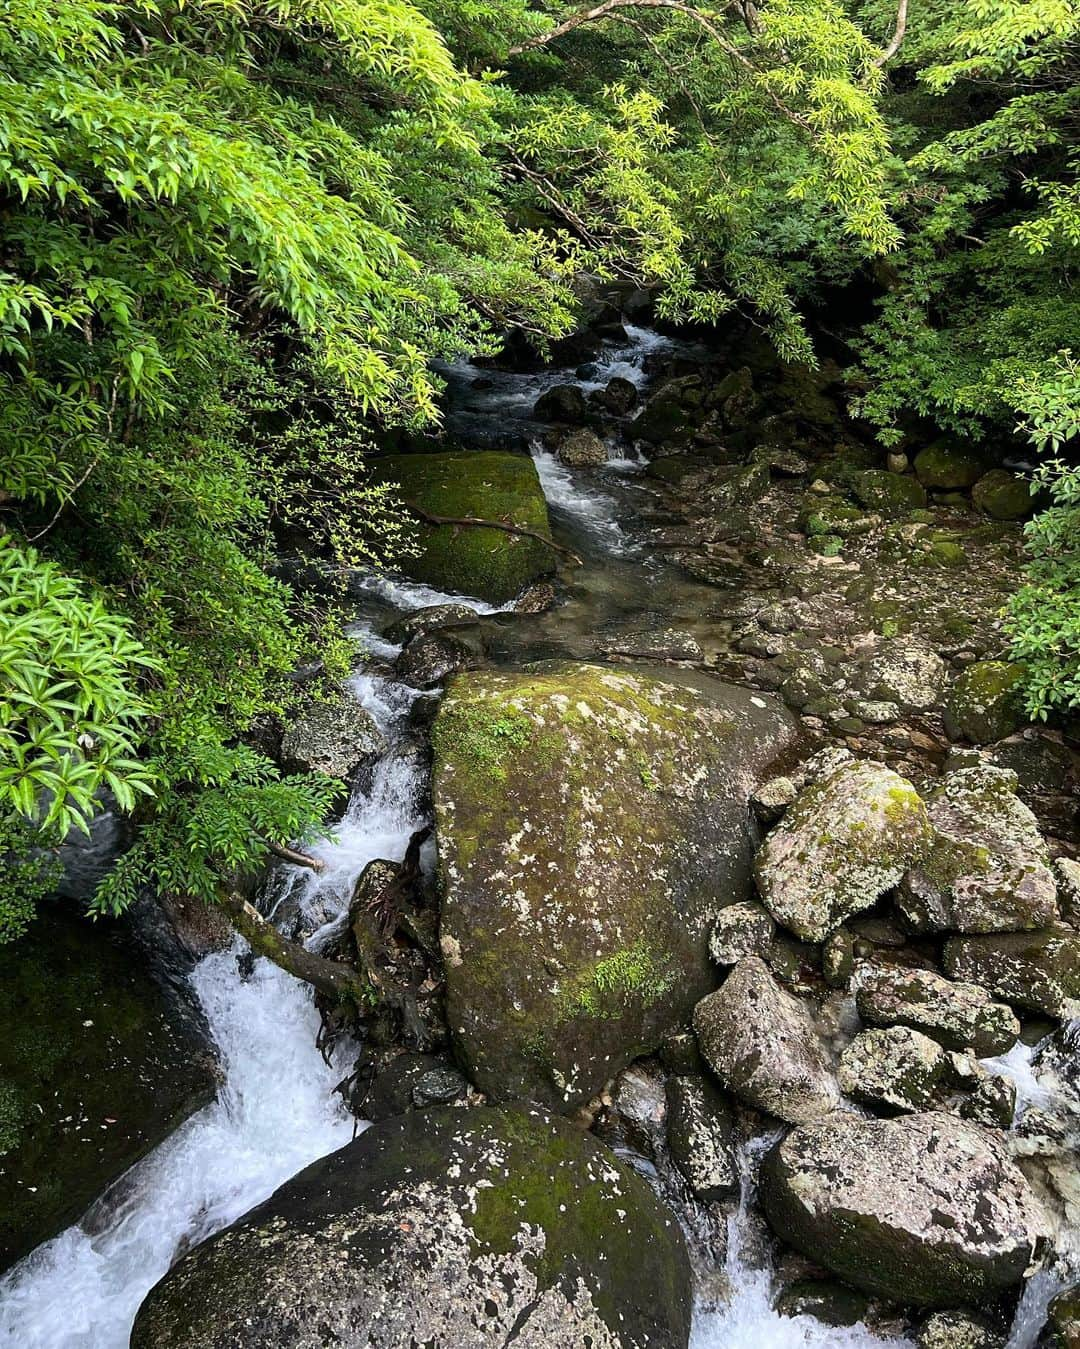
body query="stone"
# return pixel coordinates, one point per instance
(429, 619)
(833, 517)
(433, 657)
(337, 738)
(762, 1044)
(957, 1015)
(582, 449)
(99, 1064)
(1003, 496)
(838, 958)
(831, 1303)
(672, 412)
(1067, 873)
(844, 842)
(923, 1209)
(772, 798)
(984, 703)
(561, 403)
(618, 396)
(486, 484)
(1063, 1321)
(897, 462)
(888, 494)
(946, 466)
(991, 1102)
(473, 1228)
(442, 1085)
(592, 824)
(1039, 971)
(666, 644)
(895, 1067)
(904, 672)
(988, 869)
(744, 929)
(958, 1330)
(701, 1138)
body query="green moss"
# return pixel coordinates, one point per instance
(636, 973)
(12, 1116)
(483, 736)
(889, 494)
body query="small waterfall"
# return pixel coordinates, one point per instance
(585, 505)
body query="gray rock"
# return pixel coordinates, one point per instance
(336, 738)
(988, 869)
(439, 1086)
(1036, 970)
(1067, 873)
(838, 957)
(561, 403)
(432, 657)
(617, 397)
(428, 619)
(904, 672)
(831, 1303)
(741, 930)
(957, 1015)
(773, 798)
(924, 1209)
(582, 449)
(992, 1102)
(665, 644)
(473, 1228)
(984, 703)
(701, 1138)
(762, 1044)
(840, 846)
(958, 1330)
(896, 1067)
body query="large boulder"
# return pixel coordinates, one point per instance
(336, 738)
(472, 1228)
(762, 1044)
(672, 412)
(845, 841)
(984, 704)
(988, 869)
(1036, 970)
(701, 1137)
(1003, 495)
(905, 672)
(924, 1209)
(97, 1066)
(894, 1067)
(946, 466)
(957, 1015)
(480, 484)
(582, 449)
(591, 824)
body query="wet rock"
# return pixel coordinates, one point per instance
(484, 484)
(888, 494)
(741, 930)
(946, 466)
(672, 412)
(619, 396)
(485, 1227)
(1036, 970)
(992, 1102)
(428, 619)
(1003, 495)
(831, 1303)
(844, 842)
(984, 703)
(924, 1209)
(1067, 873)
(97, 1067)
(561, 403)
(838, 958)
(536, 599)
(87, 858)
(762, 1044)
(988, 869)
(701, 1137)
(387, 1090)
(736, 398)
(907, 673)
(957, 1015)
(667, 644)
(958, 1330)
(592, 825)
(582, 449)
(336, 738)
(896, 1067)
(1063, 1321)
(433, 657)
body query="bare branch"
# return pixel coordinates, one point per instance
(476, 522)
(300, 859)
(898, 35)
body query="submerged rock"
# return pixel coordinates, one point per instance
(1036, 970)
(467, 1228)
(762, 1044)
(336, 738)
(924, 1209)
(592, 824)
(844, 842)
(484, 484)
(988, 869)
(957, 1015)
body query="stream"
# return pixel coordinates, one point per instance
(276, 1111)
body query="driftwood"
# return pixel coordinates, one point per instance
(300, 859)
(476, 522)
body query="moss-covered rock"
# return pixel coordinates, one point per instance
(487, 484)
(924, 1209)
(946, 466)
(672, 413)
(895, 1067)
(96, 1068)
(845, 841)
(985, 703)
(1036, 970)
(484, 1227)
(592, 823)
(889, 494)
(957, 1015)
(1003, 495)
(1063, 1321)
(822, 516)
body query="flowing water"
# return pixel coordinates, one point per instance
(277, 1111)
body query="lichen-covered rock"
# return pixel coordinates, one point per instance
(433, 657)
(741, 930)
(1063, 1321)
(991, 1102)
(484, 484)
(336, 738)
(984, 703)
(97, 1066)
(762, 1044)
(592, 824)
(833, 1304)
(844, 842)
(473, 1228)
(429, 619)
(988, 869)
(895, 1067)
(924, 1209)
(582, 449)
(889, 494)
(904, 672)
(772, 798)
(1036, 970)
(1002, 495)
(652, 644)
(701, 1137)
(957, 1015)
(1067, 873)
(947, 467)
(958, 1330)
(833, 516)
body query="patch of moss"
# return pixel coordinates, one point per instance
(481, 735)
(637, 972)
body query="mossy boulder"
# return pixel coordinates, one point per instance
(97, 1066)
(958, 1015)
(592, 823)
(923, 1209)
(894, 1068)
(888, 494)
(672, 413)
(832, 517)
(1039, 971)
(485, 484)
(985, 703)
(1003, 495)
(945, 466)
(484, 1227)
(844, 842)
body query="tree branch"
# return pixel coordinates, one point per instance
(475, 522)
(898, 35)
(300, 859)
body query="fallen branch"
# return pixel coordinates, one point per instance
(476, 522)
(300, 859)
(898, 35)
